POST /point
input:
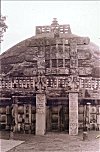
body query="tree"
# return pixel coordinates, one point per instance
(3, 26)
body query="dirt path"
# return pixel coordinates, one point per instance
(53, 142)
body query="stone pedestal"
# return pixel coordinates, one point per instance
(40, 114)
(73, 113)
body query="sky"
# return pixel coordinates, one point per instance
(24, 16)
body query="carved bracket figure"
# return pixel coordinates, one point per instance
(40, 84)
(73, 83)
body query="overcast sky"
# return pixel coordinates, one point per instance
(23, 16)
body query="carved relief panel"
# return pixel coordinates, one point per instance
(47, 52)
(83, 54)
(85, 70)
(60, 62)
(67, 63)
(73, 113)
(60, 51)
(57, 58)
(73, 62)
(41, 63)
(53, 53)
(54, 70)
(73, 58)
(41, 51)
(47, 63)
(66, 52)
(40, 103)
(84, 62)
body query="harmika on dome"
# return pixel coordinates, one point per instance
(51, 82)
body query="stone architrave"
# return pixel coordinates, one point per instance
(73, 113)
(40, 114)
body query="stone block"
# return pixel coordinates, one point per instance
(73, 113)
(40, 114)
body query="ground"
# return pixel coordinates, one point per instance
(55, 142)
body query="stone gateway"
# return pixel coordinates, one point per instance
(50, 83)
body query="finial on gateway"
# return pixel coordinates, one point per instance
(54, 22)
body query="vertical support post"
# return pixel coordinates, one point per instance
(30, 113)
(98, 119)
(48, 122)
(30, 116)
(84, 118)
(15, 112)
(7, 117)
(73, 113)
(88, 104)
(40, 114)
(16, 117)
(24, 113)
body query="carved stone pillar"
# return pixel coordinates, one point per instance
(74, 88)
(16, 117)
(30, 114)
(8, 117)
(73, 113)
(40, 114)
(15, 113)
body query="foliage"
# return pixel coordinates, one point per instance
(3, 26)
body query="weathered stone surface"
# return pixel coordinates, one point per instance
(40, 114)
(31, 54)
(73, 113)
(52, 64)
